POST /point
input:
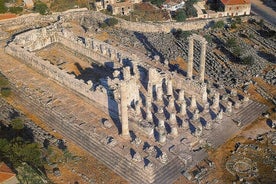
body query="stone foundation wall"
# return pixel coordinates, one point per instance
(46, 68)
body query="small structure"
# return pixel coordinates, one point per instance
(29, 4)
(236, 7)
(122, 8)
(117, 7)
(173, 5)
(6, 175)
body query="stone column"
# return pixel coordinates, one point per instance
(169, 87)
(195, 115)
(202, 61)
(172, 118)
(162, 135)
(181, 95)
(171, 104)
(183, 107)
(204, 95)
(148, 114)
(124, 113)
(103, 49)
(162, 131)
(159, 92)
(161, 123)
(193, 102)
(215, 104)
(126, 73)
(190, 57)
(229, 108)
(135, 69)
(174, 131)
(149, 89)
(138, 107)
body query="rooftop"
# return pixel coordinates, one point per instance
(5, 172)
(234, 2)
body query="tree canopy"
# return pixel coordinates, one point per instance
(41, 8)
(3, 8)
(180, 15)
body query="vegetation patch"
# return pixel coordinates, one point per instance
(4, 86)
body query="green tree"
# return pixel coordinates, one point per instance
(157, 2)
(5, 92)
(190, 9)
(3, 8)
(15, 10)
(180, 15)
(219, 24)
(111, 21)
(231, 42)
(248, 60)
(180, 34)
(17, 124)
(41, 8)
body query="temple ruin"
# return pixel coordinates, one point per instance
(159, 120)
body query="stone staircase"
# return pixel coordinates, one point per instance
(134, 174)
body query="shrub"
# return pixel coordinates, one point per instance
(111, 21)
(180, 34)
(157, 2)
(218, 24)
(41, 8)
(15, 10)
(248, 60)
(180, 15)
(3, 8)
(5, 92)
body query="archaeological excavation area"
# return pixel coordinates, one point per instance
(141, 120)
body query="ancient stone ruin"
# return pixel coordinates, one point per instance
(159, 120)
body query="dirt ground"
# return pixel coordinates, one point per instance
(221, 155)
(7, 16)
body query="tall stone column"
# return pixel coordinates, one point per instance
(172, 118)
(181, 95)
(183, 107)
(124, 113)
(135, 69)
(169, 87)
(204, 94)
(171, 104)
(215, 104)
(148, 114)
(190, 58)
(138, 107)
(159, 93)
(202, 61)
(126, 73)
(149, 89)
(193, 102)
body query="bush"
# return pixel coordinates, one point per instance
(5, 92)
(208, 38)
(3, 8)
(248, 60)
(103, 25)
(41, 8)
(180, 15)
(218, 24)
(111, 21)
(231, 42)
(157, 2)
(16, 10)
(179, 34)
(190, 9)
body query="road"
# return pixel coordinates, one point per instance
(263, 11)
